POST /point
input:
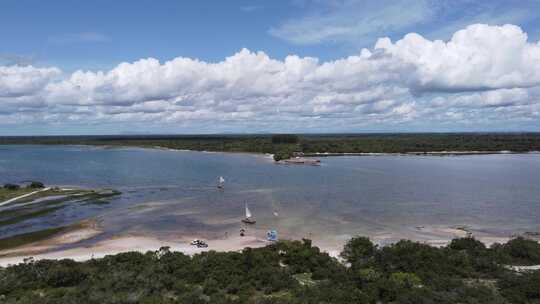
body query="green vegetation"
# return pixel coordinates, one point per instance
(285, 144)
(285, 139)
(9, 191)
(36, 185)
(11, 187)
(284, 153)
(421, 143)
(285, 272)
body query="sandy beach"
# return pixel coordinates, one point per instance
(53, 248)
(45, 250)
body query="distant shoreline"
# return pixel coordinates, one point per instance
(330, 154)
(310, 154)
(427, 153)
(286, 145)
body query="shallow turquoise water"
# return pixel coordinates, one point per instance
(173, 192)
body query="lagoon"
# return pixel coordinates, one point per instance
(172, 194)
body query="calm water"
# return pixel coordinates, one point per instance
(170, 193)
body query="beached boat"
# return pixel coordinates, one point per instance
(302, 161)
(221, 182)
(199, 243)
(249, 219)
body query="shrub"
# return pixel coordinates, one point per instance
(36, 185)
(282, 154)
(521, 251)
(468, 244)
(358, 251)
(11, 186)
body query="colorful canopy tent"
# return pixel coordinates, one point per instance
(271, 235)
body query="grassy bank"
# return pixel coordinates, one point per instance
(6, 194)
(12, 191)
(287, 272)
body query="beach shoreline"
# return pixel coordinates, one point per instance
(117, 244)
(78, 250)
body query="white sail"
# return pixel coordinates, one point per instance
(248, 213)
(221, 180)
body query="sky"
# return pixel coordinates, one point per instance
(310, 66)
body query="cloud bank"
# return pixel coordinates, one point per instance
(483, 76)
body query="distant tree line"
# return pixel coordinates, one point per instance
(286, 144)
(465, 271)
(31, 185)
(285, 139)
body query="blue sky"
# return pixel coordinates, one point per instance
(59, 38)
(96, 34)
(100, 34)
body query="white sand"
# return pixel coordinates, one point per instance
(124, 244)
(48, 249)
(524, 268)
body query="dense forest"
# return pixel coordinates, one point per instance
(288, 272)
(284, 145)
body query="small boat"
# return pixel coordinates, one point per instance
(221, 182)
(248, 219)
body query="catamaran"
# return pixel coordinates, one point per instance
(248, 219)
(221, 182)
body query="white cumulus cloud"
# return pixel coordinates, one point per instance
(482, 74)
(16, 81)
(475, 58)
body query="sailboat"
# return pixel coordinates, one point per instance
(248, 219)
(221, 182)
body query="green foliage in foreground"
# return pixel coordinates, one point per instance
(286, 272)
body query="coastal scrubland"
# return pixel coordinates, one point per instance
(465, 271)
